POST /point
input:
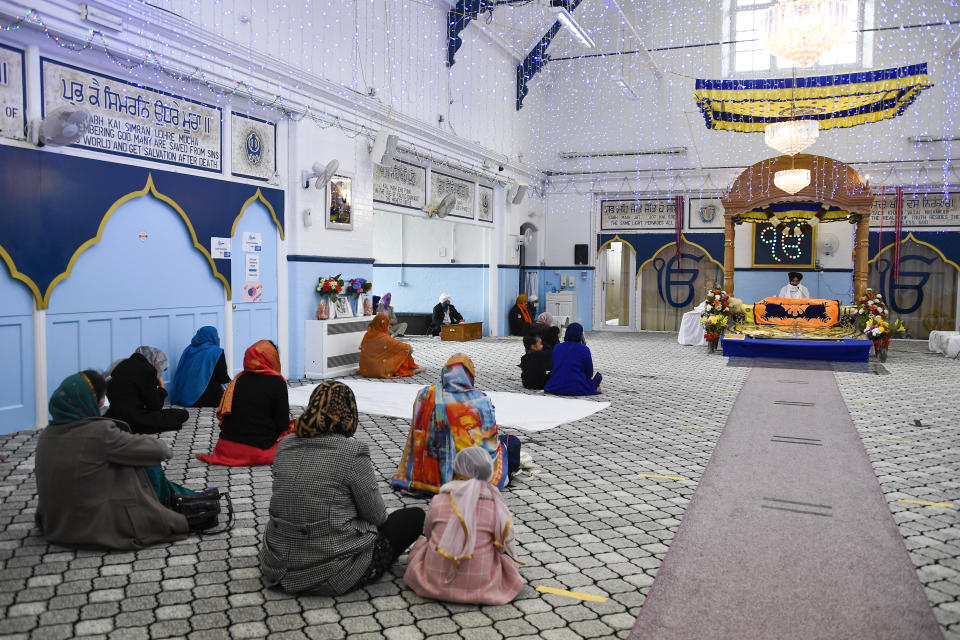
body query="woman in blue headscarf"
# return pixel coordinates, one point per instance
(572, 371)
(201, 372)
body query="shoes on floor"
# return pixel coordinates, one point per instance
(526, 460)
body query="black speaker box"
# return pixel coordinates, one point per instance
(579, 254)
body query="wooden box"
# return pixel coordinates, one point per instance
(462, 332)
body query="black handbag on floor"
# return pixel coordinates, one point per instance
(202, 510)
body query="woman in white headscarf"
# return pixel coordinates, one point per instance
(467, 552)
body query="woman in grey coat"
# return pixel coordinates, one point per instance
(329, 532)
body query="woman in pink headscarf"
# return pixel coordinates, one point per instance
(466, 553)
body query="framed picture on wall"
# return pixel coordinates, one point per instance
(339, 203)
(704, 213)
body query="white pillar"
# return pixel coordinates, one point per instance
(32, 82)
(228, 331)
(226, 153)
(40, 393)
(289, 218)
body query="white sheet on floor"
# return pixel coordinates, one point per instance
(530, 412)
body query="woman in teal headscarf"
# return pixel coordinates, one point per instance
(201, 372)
(99, 485)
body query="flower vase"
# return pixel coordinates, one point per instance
(712, 345)
(323, 309)
(367, 306)
(880, 348)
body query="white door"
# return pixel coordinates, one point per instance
(615, 269)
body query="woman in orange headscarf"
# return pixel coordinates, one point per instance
(520, 319)
(254, 412)
(382, 356)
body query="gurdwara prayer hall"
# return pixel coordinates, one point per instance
(479, 319)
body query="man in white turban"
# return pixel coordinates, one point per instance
(444, 313)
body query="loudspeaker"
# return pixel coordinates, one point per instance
(384, 148)
(521, 191)
(579, 254)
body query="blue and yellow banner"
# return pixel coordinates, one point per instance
(835, 101)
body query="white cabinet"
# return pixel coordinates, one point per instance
(333, 346)
(563, 303)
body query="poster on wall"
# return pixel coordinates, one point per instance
(220, 248)
(624, 215)
(339, 203)
(704, 213)
(13, 97)
(784, 246)
(130, 120)
(253, 267)
(485, 204)
(441, 184)
(253, 148)
(403, 185)
(919, 210)
(252, 241)
(253, 292)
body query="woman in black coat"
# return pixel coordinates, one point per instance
(136, 393)
(443, 310)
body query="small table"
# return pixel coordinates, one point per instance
(462, 332)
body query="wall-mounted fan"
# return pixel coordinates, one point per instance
(322, 174)
(443, 208)
(829, 244)
(61, 127)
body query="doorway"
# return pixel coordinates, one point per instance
(616, 286)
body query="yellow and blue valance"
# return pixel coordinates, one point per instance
(794, 212)
(835, 101)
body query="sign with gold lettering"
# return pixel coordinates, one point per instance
(131, 120)
(622, 215)
(935, 209)
(12, 96)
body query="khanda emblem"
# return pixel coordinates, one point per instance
(670, 275)
(254, 147)
(891, 290)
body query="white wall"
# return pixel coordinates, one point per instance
(568, 222)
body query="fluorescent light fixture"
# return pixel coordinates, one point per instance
(626, 88)
(929, 139)
(566, 18)
(100, 17)
(666, 151)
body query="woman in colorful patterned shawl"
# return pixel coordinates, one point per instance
(448, 416)
(382, 356)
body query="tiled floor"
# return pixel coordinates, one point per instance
(586, 521)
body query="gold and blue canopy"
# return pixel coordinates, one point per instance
(794, 212)
(836, 101)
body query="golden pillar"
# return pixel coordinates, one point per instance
(728, 236)
(860, 266)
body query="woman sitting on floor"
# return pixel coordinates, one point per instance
(466, 553)
(329, 532)
(201, 372)
(519, 317)
(382, 356)
(572, 371)
(544, 327)
(98, 485)
(448, 416)
(254, 412)
(397, 328)
(136, 393)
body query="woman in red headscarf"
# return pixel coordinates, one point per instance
(254, 412)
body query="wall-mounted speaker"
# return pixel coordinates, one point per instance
(384, 148)
(579, 254)
(521, 192)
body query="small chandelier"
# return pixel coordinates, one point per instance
(802, 31)
(791, 137)
(791, 180)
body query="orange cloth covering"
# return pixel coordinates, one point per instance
(522, 303)
(260, 357)
(383, 356)
(236, 454)
(802, 311)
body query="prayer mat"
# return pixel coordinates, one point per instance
(528, 412)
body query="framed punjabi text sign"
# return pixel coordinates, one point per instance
(131, 120)
(919, 210)
(485, 204)
(441, 184)
(402, 185)
(253, 148)
(625, 215)
(13, 97)
(784, 246)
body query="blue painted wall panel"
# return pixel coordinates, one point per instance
(467, 286)
(550, 281)
(754, 285)
(507, 291)
(16, 354)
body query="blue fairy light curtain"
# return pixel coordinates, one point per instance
(835, 101)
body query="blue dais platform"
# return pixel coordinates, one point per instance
(847, 350)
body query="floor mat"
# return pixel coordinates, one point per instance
(788, 534)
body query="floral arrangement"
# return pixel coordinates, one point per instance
(357, 286)
(713, 326)
(330, 286)
(879, 330)
(871, 304)
(717, 302)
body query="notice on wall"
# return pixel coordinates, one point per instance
(220, 248)
(12, 97)
(485, 203)
(253, 267)
(441, 184)
(622, 215)
(403, 185)
(130, 120)
(252, 292)
(919, 210)
(253, 150)
(253, 241)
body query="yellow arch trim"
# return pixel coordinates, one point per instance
(149, 188)
(910, 236)
(257, 196)
(616, 238)
(22, 277)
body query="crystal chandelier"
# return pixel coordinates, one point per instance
(791, 137)
(803, 30)
(791, 180)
